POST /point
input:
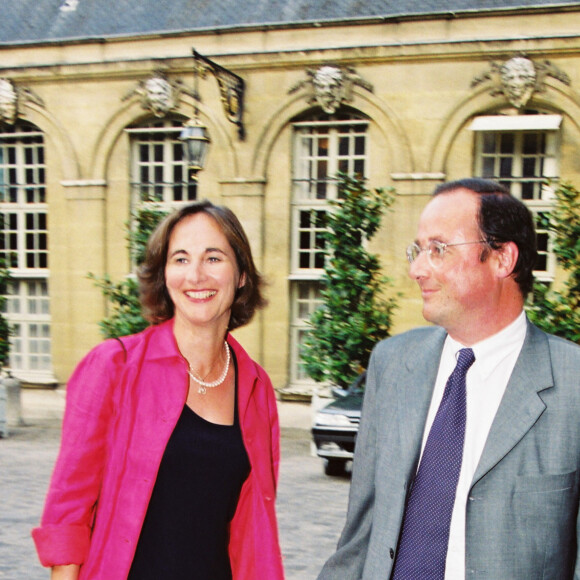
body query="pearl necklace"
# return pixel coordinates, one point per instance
(203, 386)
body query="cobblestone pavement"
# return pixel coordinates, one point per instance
(26, 460)
(311, 506)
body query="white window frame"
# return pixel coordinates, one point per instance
(542, 196)
(299, 326)
(309, 196)
(26, 249)
(163, 185)
(305, 182)
(28, 312)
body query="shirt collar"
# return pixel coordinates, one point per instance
(489, 353)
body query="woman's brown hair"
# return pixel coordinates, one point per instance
(155, 300)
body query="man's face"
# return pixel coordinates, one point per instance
(458, 290)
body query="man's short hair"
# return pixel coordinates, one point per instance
(502, 218)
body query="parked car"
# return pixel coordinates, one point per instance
(336, 426)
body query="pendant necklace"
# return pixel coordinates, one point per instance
(203, 386)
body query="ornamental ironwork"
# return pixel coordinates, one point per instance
(232, 89)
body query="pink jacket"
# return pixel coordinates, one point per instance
(119, 417)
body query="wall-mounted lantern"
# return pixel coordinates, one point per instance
(195, 136)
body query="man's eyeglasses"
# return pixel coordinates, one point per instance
(435, 250)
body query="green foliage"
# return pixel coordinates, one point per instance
(123, 296)
(353, 316)
(5, 329)
(126, 315)
(558, 311)
(145, 220)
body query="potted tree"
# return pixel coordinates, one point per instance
(356, 311)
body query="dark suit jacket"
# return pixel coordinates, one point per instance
(522, 511)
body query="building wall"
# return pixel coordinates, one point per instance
(420, 109)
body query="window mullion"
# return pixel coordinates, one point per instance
(333, 137)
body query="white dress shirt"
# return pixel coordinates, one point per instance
(486, 381)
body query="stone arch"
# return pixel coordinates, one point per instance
(556, 97)
(391, 133)
(222, 142)
(57, 137)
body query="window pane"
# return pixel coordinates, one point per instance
(505, 167)
(488, 167)
(321, 189)
(359, 167)
(178, 153)
(530, 143)
(527, 189)
(158, 153)
(507, 143)
(541, 263)
(304, 260)
(144, 152)
(489, 142)
(542, 241)
(529, 167)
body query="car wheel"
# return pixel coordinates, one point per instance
(334, 467)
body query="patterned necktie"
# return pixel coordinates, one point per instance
(423, 544)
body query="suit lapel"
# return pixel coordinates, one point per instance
(415, 390)
(521, 405)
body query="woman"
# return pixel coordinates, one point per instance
(170, 447)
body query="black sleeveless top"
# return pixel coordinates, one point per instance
(185, 532)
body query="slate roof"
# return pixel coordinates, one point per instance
(39, 21)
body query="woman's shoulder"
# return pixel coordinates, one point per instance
(246, 364)
(116, 348)
(134, 342)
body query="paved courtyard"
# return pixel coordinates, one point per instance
(311, 506)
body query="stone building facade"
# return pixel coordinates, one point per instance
(90, 115)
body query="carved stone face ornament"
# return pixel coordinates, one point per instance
(518, 79)
(158, 96)
(8, 102)
(328, 88)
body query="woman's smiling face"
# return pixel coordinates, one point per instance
(201, 273)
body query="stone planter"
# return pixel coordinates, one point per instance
(10, 404)
(3, 424)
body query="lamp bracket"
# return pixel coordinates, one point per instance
(231, 89)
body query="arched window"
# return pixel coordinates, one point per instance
(323, 145)
(158, 168)
(24, 250)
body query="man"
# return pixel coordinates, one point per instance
(507, 507)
